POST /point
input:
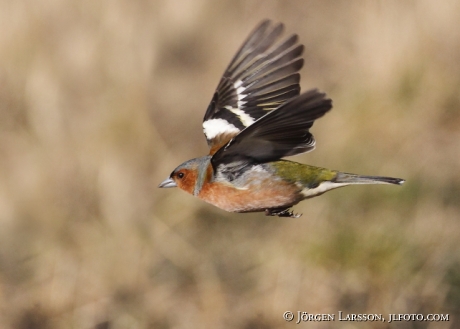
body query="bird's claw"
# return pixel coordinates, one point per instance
(281, 213)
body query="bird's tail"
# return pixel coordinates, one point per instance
(345, 178)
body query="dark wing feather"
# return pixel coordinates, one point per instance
(282, 132)
(261, 77)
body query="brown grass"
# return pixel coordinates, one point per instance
(100, 100)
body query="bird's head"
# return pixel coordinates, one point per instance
(188, 176)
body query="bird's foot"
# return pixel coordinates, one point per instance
(281, 212)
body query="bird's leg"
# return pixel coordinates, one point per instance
(281, 212)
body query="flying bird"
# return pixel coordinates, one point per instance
(256, 117)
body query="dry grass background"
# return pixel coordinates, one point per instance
(100, 100)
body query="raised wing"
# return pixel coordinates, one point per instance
(282, 132)
(261, 77)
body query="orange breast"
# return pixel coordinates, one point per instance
(263, 195)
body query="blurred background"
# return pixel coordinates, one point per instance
(101, 100)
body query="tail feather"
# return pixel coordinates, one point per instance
(345, 178)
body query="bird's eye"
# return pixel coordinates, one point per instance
(180, 175)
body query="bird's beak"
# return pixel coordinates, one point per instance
(168, 182)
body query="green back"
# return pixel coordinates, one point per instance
(308, 176)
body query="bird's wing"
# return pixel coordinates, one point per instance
(261, 77)
(282, 132)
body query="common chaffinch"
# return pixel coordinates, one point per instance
(256, 117)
